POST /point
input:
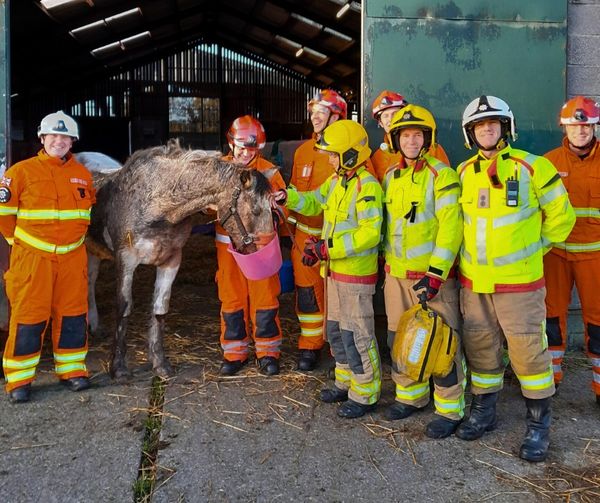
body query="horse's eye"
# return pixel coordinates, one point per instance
(256, 211)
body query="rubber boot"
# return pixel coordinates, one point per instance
(21, 394)
(76, 383)
(481, 419)
(441, 427)
(351, 409)
(308, 358)
(399, 410)
(537, 438)
(232, 367)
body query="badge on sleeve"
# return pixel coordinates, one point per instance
(4, 195)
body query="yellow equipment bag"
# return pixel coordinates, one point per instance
(424, 345)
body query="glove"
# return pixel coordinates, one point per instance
(315, 249)
(430, 284)
(280, 197)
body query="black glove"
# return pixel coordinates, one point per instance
(432, 286)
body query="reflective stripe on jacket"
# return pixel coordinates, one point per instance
(352, 214)
(581, 178)
(423, 219)
(46, 203)
(503, 245)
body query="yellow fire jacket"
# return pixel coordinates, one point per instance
(352, 217)
(515, 206)
(423, 219)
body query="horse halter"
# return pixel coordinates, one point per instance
(233, 212)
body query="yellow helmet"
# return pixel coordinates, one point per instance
(415, 117)
(349, 140)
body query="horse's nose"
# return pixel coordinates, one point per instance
(262, 239)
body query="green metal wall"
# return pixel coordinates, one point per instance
(443, 54)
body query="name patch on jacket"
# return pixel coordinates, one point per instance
(79, 181)
(4, 195)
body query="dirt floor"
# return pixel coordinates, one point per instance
(255, 438)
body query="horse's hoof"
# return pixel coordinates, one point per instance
(165, 371)
(120, 373)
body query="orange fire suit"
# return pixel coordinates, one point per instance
(577, 261)
(311, 168)
(44, 213)
(243, 300)
(382, 159)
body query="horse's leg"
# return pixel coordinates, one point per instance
(93, 270)
(165, 275)
(126, 263)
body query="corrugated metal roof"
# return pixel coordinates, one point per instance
(106, 35)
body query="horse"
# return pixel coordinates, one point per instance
(143, 215)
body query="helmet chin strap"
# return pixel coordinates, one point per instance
(500, 144)
(419, 155)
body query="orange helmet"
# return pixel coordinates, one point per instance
(579, 110)
(246, 132)
(387, 99)
(332, 100)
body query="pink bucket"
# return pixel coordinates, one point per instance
(261, 264)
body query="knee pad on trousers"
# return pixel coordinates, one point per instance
(593, 338)
(73, 332)
(235, 326)
(266, 324)
(354, 359)
(29, 338)
(450, 380)
(307, 301)
(553, 331)
(334, 337)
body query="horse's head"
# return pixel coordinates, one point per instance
(245, 212)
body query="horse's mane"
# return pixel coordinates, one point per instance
(228, 172)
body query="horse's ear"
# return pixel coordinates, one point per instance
(246, 178)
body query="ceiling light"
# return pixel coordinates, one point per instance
(343, 10)
(299, 52)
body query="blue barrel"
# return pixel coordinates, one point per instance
(286, 276)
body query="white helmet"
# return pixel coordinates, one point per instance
(488, 107)
(59, 123)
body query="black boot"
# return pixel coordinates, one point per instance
(307, 360)
(537, 438)
(441, 427)
(399, 410)
(229, 368)
(268, 365)
(351, 409)
(335, 394)
(481, 419)
(21, 394)
(76, 383)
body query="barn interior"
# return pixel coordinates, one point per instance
(134, 73)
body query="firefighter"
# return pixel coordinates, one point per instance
(311, 168)
(249, 309)
(577, 261)
(350, 200)
(45, 206)
(384, 108)
(422, 238)
(514, 206)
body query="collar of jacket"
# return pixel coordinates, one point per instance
(58, 161)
